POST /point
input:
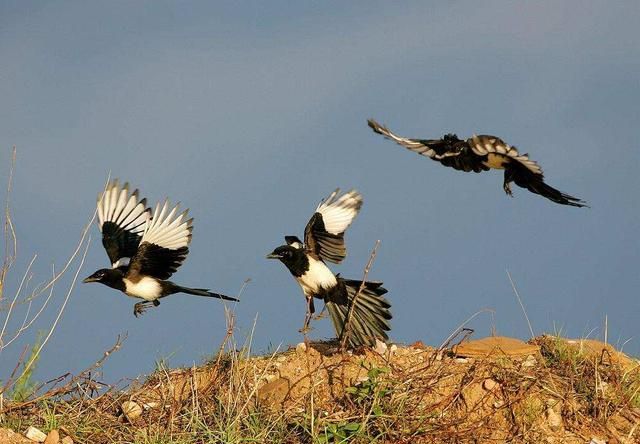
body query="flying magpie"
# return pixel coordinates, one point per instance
(481, 153)
(144, 249)
(324, 241)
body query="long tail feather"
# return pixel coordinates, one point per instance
(205, 292)
(555, 195)
(370, 315)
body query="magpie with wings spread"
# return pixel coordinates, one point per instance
(481, 153)
(144, 249)
(324, 241)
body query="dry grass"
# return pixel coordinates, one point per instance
(321, 395)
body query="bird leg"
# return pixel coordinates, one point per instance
(310, 311)
(507, 188)
(508, 178)
(141, 307)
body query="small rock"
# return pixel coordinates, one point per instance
(381, 347)
(489, 384)
(362, 378)
(67, 440)
(530, 362)
(461, 360)
(131, 410)
(604, 387)
(35, 435)
(498, 404)
(301, 348)
(554, 420)
(53, 437)
(271, 377)
(149, 406)
(274, 393)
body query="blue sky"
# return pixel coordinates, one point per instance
(249, 113)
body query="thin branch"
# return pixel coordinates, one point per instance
(347, 325)
(515, 290)
(15, 298)
(9, 232)
(64, 304)
(74, 379)
(28, 324)
(462, 326)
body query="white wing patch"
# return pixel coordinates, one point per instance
(339, 211)
(168, 229)
(484, 145)
(116, 205)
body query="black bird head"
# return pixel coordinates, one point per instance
(450, 138)
(285, 253)
(111, 277)
(292, 256)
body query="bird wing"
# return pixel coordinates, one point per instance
(449, 151)
(164, 244)
(483, 145)
(122, 218)
(324, 233)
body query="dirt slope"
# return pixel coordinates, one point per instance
(550, 390)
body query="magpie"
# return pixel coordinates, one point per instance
(145, 249)
(481, 153)
(324, 241)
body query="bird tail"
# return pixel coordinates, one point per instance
(369, 319)
(536, 185)
(555, 195)
(203, 292)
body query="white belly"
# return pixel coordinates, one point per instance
(496, 161)
(318, 276)
(146, 288)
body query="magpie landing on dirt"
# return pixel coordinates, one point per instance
(481, 153)
(144, 249)
(324, 241)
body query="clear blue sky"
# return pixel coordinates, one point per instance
(249, 113)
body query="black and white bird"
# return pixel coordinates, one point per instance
(324, 241)
(145, 249)
(482, 153)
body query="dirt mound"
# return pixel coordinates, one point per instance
(550, 390)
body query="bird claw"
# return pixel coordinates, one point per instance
(321, 315)
(305, 329)
(141, 307)
(507, 189)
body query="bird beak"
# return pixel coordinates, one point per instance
(90, 279)
(273, 256)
